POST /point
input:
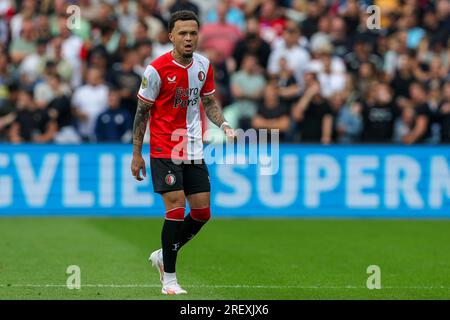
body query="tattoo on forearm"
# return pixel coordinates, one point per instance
(213, 110)
(140, 125)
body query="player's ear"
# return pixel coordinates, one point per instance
(170, 37)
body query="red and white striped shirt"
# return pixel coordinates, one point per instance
(175, 119)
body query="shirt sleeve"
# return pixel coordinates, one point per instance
(150, 85)
(208, 87)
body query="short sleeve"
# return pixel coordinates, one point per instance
(208, 87)
(150, 85)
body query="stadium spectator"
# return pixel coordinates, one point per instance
(233, 16)
(123, 76)
(349, 123)
(144, 52)
(161, 45)
(313, 114)
(290, 49)
(289, 90)
(55, 59)
(149, 13)
(252, 43)
(59, 109)
(43, 28)
(272, 23)
(272, 112)
(310, 25)
(362, 52)
(25, 44)
(88, 102)
(247, 86)
(338, 36)
(115, 123)
(322, 36)
(444, 114)
(397, 44)
(424, 116)
(367, 75)
(404, 124)
(221, 76)
(404, 76)
(48, 89)
(32, 65)
(8, 97)
(27, 12)
(379, 114)
(221, 35)
(32, 124)
(331, 77)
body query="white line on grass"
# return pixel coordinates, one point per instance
(238, 286)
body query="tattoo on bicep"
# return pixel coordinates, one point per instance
(213, 111)
(140, 123)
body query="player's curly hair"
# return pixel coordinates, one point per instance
(183, 15)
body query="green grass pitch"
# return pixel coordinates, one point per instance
(229, 259)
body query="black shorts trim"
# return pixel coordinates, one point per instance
(190, 176)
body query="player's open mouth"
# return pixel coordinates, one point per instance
(188, 46)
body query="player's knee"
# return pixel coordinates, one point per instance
(203, 214)
(175, 213)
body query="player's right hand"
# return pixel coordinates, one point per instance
(138, 164)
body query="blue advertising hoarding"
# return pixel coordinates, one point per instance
(310, 181)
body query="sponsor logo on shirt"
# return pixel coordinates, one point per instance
(183, 95)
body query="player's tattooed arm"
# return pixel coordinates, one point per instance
(214, 113)
(213, 110)
(139, 127)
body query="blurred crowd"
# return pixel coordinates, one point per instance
(319, 71)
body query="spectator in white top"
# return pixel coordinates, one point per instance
(330, 80)
(297, 57)
(30, 68)
(88, 102)
(325, 50)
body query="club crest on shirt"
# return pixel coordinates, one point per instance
(170, 179)
(201, 76)
(144, 83)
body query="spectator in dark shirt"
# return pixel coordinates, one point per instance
(444, 114)
(272, 112)
(114, 124)
(289, 90)
(404, 76)
(124, 76)
(379, 117)
(421, 130)
(252, 43)
(31, 124)
(362, 52)
(314, 115)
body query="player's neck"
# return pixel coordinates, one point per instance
(180, 59)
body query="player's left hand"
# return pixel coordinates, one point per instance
(229, 132)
